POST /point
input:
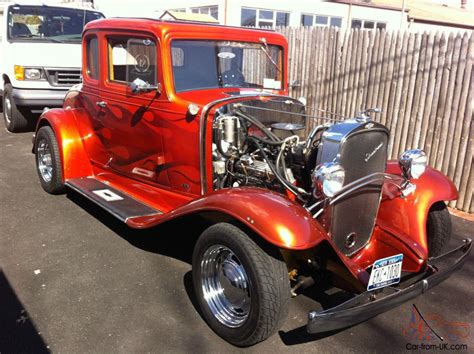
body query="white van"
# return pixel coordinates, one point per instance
(40, 57)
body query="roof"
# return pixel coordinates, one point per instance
(185, 16)
(431, 12)
(71, 5)
(188, 29)
(389, 5)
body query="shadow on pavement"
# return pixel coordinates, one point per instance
(325, 300)
(18, 334)
(175, 238)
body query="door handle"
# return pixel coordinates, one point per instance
(101, 104)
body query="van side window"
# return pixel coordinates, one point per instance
(92, 52)
(132, 58)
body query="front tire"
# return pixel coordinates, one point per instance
(14, 117)
(48, 161)
(438, 229)
(243, 291)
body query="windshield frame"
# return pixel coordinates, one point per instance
(264, 45)
(15, 39)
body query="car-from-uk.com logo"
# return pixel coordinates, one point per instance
(434, 332)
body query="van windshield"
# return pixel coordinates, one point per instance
(46, 23)
(199, 64)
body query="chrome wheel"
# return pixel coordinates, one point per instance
(8, 109)
(225, 285)
(45, 162)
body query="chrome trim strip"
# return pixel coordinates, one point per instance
(364, 181)
(396, 180)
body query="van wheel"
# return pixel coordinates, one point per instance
(243, 291)
(48, 161)
(15, 120)
(438, 229)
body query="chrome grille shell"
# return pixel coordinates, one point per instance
(361, 148)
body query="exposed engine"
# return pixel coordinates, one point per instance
(256, 144)
(248, 152)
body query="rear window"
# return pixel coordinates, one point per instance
(92, 50)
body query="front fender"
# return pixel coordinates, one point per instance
(405, 218)
(75, 161)
(273, 216)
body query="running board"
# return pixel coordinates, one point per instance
(117, 203)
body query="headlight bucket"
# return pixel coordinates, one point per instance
(413, 163)
(33, 74)
(328, 179)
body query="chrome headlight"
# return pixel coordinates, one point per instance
(413, 163)
(328, 178)
(32, 74)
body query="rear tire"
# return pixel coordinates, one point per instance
(438, 229)
(243, 291)
(48, 161)
(15, 118)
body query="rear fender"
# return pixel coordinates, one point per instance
(405, 218)
(273, 216)
(74, 158)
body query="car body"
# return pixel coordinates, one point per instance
(179, 119)
(40, 56)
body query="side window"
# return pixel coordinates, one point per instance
(131, 59)
(92, 58)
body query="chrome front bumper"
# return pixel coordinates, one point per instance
(372, 303)
(40, 97)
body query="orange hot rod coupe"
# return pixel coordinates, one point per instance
(177, 119)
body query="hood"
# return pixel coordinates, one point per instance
(203, 97)
(45, 54)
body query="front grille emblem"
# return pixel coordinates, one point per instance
(370, 154)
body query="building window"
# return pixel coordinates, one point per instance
(335, 22)
(207, 10)
(320, 20)
(178, 10)
(307, 20)
(368, 24)
(263, 18)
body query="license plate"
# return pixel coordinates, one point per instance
(385, 272)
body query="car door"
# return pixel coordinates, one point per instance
(89, 114)
(134, 144)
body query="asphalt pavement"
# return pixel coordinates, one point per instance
(73, 279)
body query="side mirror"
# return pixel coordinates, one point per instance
(139, 86)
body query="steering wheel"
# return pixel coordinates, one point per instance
(232, 77)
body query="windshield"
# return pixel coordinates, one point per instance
(212, 64)
(45, 23)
